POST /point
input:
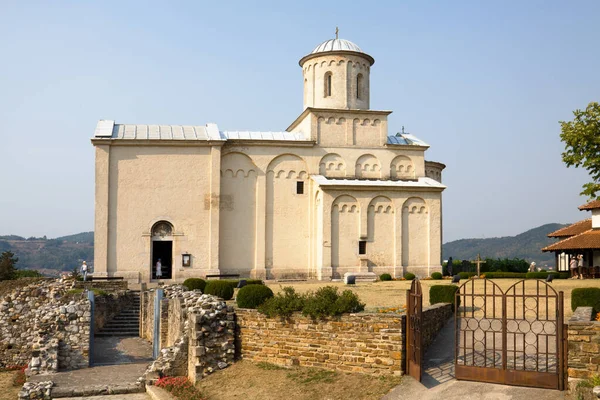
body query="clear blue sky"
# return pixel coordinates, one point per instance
(485, 83)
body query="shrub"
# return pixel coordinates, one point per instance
(409, 276)
(442, 294)
(436, 275)
(585, 297)
(195, 283)
(221, 289)
(466, 275)
(252, 296)
(501, 275)
(26, 273)
(542, 275)
(385, 277)
(326, 302)
(282, 304)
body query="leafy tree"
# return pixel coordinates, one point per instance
(582, 145)
(7, 265)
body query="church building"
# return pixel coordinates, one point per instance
(335, 192)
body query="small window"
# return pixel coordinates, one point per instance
(327, 91)
(362, 247)
(300, 187)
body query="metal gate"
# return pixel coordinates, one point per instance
(513, 337)
(414, 321)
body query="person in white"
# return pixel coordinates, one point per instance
(84, 270)
(532, 267)
(158, 269)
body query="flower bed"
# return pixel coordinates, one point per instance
(180, 387)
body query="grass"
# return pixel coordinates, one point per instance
(97, 292)
(392, 294)
(266, 381)
(8, 390)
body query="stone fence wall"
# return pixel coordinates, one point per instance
(108, 286)
(584, 346)
(366, 343)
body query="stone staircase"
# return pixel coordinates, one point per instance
(126, 323)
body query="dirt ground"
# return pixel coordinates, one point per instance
(246, 380)
(7, 390)
(393, 293)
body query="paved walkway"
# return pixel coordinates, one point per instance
(119, 362)
(438, 380)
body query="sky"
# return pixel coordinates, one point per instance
(484, 83)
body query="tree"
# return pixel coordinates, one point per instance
(582, 145)
(7, 265)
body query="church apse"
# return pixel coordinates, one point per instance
(237, 227)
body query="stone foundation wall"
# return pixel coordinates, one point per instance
(108, 286)
(41, 325)
(366, 342)
(584, 346)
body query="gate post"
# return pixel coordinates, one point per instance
(90, 296)
(158, 295)
(562, 345)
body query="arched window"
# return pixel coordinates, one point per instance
(327, 91)
(359, 86)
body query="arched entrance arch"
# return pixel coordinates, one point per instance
(161, 236)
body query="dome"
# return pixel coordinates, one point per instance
(335, 45)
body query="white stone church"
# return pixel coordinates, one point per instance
(335, 192)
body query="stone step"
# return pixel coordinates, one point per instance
(109, 334)
(128, 326)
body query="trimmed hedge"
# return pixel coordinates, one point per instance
(544, 275)
(409, 276)
(252, 296)
(221, 289)
(385, 277)
(526, 275)
(502, 275)
(442, 294)
(436, 275)
(195, 283)
(586, 297)
(466, 275)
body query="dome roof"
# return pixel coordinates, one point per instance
(335, 45)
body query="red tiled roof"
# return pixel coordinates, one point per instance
(590, 205)
(587, 240)
(573, 229)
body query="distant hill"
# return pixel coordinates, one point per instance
(526, 245)
(50, 256)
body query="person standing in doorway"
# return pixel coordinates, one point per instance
(84, 271)
(580, 266)
(158, 269)
(573, 267)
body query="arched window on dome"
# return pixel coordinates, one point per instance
(327, 91)
(359, 86)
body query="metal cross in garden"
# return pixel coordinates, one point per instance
(478, 261)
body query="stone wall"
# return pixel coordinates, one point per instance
(44, 326)
(108, 286)
(366, 342)
(584, 346)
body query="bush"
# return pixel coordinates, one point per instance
(385, 277)
(252, 296)
(326, 302)
(442, 294)
(436, 275)
(180, 387)
(585, 297)
(501, 275)
(409, 276)
(283, 304)
(221, 289)
(26, 273)
(195, 283)
(540, 275)
(466, 275)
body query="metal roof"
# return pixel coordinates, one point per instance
(336, 45)
(246, 135)
(109, 130)
(406, 139)
(422, 182)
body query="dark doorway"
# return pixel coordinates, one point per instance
(164, 251)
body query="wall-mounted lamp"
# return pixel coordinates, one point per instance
(186, 260)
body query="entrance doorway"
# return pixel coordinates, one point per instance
(162, 250)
